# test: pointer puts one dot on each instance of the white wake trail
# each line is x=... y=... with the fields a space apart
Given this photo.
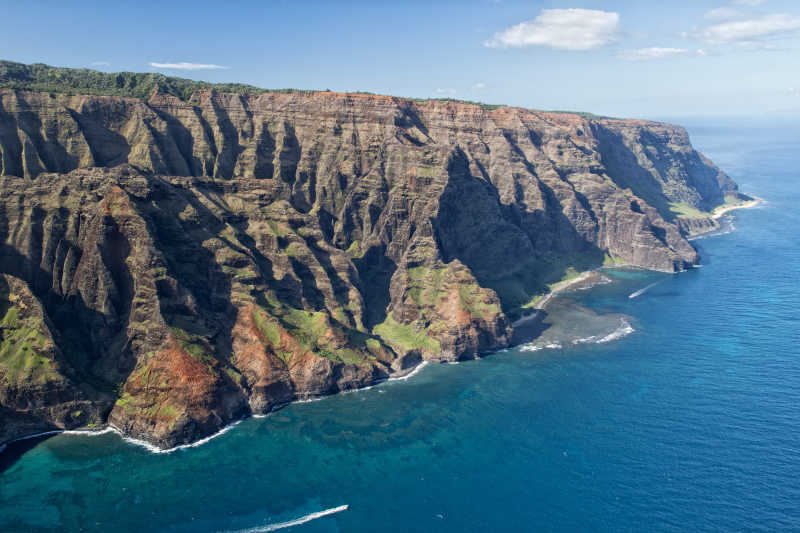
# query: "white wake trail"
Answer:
x=295 y=522
x=644 y=290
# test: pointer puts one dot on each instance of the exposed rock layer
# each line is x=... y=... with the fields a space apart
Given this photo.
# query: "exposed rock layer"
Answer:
x=171 y=266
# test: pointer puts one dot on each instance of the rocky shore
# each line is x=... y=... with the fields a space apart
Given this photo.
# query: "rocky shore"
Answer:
x=170 y=266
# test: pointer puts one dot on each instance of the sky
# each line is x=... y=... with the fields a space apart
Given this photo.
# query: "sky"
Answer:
x=649 y=59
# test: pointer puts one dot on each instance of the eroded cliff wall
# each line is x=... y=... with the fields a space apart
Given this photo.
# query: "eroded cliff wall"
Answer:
x=169 y=266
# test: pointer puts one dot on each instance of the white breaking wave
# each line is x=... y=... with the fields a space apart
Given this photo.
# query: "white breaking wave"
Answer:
x=156 y=449
x=361 y=389
x=311 y=399
x=412 y=373
x=143 y=444
x=537 y=347
x=624 y=329
x=602 y=280
x=295 y=522
x=530 y=348
x=89 y=432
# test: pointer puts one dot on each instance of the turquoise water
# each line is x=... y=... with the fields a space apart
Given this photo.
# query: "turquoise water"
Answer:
x=690 y=423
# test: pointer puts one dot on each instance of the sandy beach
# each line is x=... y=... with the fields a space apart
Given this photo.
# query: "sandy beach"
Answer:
x=721 y=210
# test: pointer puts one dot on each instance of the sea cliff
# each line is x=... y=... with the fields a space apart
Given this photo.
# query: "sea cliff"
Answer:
x=172 y=264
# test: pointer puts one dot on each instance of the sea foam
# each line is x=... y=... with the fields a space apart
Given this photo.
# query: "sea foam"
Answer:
x=414 y=372
x=623 y=330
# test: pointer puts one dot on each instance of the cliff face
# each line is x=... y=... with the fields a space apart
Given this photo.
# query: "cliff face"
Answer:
x=170 y=266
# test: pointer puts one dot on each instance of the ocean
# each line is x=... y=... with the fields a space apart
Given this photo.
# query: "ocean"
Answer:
x=677 y=409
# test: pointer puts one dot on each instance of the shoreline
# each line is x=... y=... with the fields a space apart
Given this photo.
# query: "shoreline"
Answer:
x=721 y=210
x=402 y=375
x=555 y=290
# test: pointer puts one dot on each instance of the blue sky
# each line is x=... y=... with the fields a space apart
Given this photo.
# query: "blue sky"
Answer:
x=625 y=58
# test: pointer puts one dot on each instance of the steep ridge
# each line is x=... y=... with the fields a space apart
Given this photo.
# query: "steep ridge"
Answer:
x=172 y=265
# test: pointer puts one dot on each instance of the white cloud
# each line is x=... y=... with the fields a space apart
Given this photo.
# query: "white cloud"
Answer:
x=765 y=26
x=445 y=91
x=722 y=13
x=562 y=29
x=751 y=3
x=794 y=92
x=655 y=52
x=99 y=64
x=479 y=86
x=187 y=66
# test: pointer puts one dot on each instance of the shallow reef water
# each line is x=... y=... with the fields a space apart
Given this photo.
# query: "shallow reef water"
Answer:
x=687 y=419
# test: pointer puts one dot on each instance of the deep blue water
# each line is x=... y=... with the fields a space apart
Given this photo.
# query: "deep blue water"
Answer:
x=691 y=423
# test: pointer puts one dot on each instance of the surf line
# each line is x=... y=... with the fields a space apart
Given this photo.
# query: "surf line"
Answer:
x=295 y=522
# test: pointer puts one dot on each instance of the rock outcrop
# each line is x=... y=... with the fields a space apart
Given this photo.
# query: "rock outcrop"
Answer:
x=170 y=266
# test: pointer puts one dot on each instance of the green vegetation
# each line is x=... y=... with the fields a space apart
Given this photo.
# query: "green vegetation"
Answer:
x=314 y=332
x=425 y=285
x=373 y=345
x=148 y=406
x=569 y=274
x=613 y=260
x=488 y=107
x=295 y=249
x=521 y=292
x=405 y=336
x=354 y=250
x=125 y=400
x=45 y=78
x=194 y=345
x=240 y=273
x=472 y=299
x=21 y=347
x=39 y=77
x=685 y=210
x=583 y=114
x=267 y=327
x=733 y=200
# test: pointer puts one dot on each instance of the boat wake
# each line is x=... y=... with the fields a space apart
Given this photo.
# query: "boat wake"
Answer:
x=292 y=523
x=638 y=293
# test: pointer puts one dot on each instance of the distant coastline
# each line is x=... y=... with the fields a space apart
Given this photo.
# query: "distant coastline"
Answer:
x=561 y=286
